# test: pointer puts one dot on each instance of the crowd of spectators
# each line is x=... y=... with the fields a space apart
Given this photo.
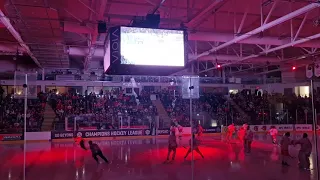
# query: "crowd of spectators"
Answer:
x=12 y=114
x=115 y=109
x=178 y=109
x=266 y=108
x=104 y=110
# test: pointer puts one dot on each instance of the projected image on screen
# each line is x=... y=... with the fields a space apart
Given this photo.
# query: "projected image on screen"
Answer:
x=154 y=47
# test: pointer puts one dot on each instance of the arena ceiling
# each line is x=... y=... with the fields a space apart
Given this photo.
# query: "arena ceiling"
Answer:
x=228 y=32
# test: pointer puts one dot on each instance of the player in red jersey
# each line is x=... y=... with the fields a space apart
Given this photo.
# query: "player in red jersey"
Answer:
x=241 y=135
x=80 y=142
x=231 y=130
x=199 y=131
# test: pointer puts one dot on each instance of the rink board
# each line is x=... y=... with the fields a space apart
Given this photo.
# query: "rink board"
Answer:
x=61 y=136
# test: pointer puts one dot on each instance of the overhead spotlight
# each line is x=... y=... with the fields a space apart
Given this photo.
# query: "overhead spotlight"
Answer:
x=294 y=68
x=218 y=66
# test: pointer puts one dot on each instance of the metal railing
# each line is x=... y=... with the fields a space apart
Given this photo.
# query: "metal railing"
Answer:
x=143 y=79
x=269 y=116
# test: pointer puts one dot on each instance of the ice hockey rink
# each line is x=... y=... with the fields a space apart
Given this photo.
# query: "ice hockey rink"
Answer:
x=137 y=159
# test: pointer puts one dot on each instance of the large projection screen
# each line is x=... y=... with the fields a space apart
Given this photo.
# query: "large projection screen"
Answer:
x=152 y=47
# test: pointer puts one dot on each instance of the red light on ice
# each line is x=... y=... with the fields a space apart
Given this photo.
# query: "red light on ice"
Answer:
x=293 y=68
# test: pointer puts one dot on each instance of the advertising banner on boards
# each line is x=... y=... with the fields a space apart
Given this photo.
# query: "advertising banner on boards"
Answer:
x=101 y=133
x=11 y=137
x=212 y=130
x=303 y=127
x=163 y=131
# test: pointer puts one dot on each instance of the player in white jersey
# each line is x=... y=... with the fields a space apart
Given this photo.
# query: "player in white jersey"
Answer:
x=245 y=126
x=180 y=130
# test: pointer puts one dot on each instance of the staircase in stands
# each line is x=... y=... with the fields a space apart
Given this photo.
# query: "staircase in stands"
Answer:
x=163 y=115
x=239 y=109
x=48 y=118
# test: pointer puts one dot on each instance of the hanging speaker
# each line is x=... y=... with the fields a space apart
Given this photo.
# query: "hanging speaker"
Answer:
x=102 y=27
x=153 y=20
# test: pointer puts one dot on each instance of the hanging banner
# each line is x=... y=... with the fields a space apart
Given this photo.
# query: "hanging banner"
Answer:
x=317 y=69
x=309 y=72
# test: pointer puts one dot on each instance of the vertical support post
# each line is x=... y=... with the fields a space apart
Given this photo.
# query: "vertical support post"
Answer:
x=270 y=114
x=191 y=124
x=203 y=120
x=75 y=124
x=223 y=75
x=296 y=116
x=227 y=114
x=43 y=76
x=196 y=48
x=315 y=135
x=306 y=116
x=25 y=126
x=129 y=122
x=232 y=116
x=287 y=116
x=66 y=124
x=157 y=125
x=261 y=13
x=263 y=116
x=234 y=23
x=198 y=66
x=264 y=76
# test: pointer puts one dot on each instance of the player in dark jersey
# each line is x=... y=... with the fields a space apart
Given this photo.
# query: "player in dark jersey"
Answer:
x=82 y=144
x=96 y=151
x=195 y=147
x=172 y=146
